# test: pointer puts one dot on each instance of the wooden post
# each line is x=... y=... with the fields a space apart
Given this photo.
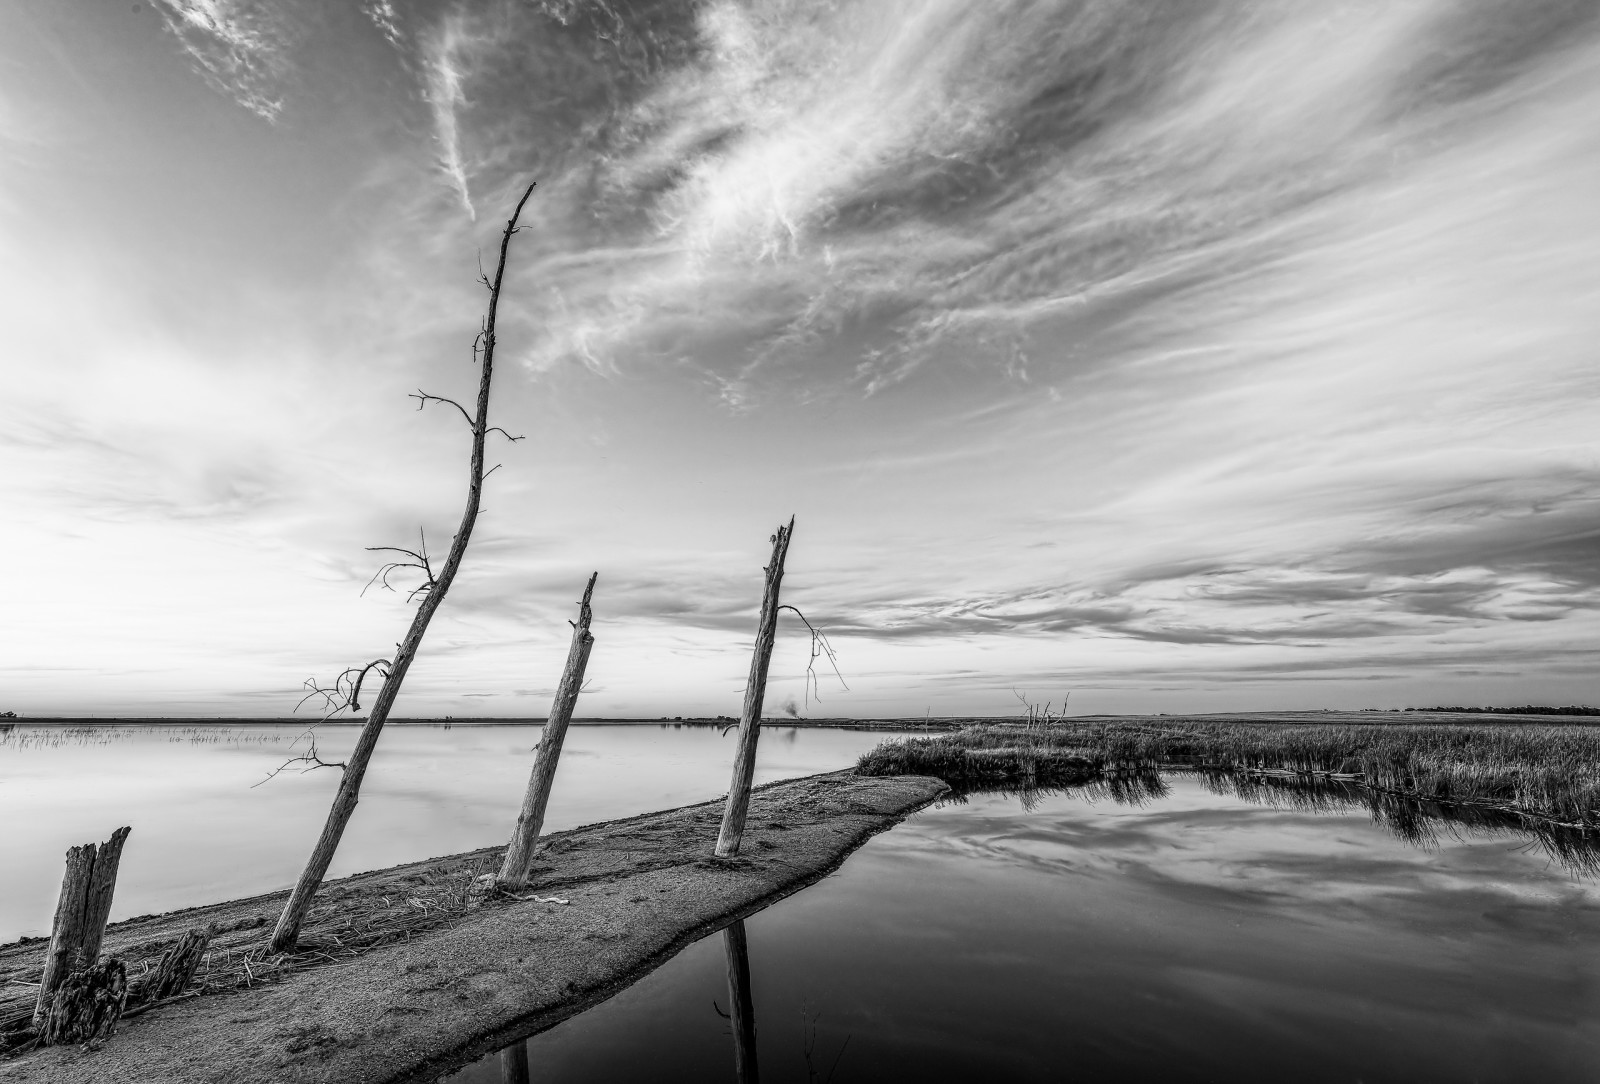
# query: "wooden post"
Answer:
x=519 y=855
x=742 y=1006
x=744 y=759
x=286 y=934
x=80 y=922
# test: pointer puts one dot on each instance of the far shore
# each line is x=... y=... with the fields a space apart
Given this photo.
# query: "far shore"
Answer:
x=911 y=723
x=918 y=723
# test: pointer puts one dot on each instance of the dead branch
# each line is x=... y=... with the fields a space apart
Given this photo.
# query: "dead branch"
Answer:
x=345 y=692
x=820 y=648
x=423 y=399
x=309 y=758
x=418 y=561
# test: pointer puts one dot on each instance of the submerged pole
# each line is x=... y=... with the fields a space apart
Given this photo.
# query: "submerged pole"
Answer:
x=519 y=855
x=744 y=760
x=742 y=1006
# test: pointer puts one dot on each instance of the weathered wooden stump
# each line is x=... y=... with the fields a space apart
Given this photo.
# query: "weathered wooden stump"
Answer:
x=80 y=922
x=87 y=1004
x=177 y=967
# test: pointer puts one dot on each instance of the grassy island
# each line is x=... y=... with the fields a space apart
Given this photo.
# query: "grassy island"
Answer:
x=1530 y=768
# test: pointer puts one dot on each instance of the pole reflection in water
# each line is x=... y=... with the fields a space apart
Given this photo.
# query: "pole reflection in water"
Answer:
x=742 y=1007
x=514 y=1063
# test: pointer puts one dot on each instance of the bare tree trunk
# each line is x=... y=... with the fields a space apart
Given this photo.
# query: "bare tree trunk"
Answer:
x=519 y=856
x=742 y=1006
x=287 y=932
x=81 y=913
x=744 y=760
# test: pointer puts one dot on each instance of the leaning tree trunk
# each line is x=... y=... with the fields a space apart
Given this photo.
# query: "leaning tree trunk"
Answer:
x=519 y=855
x=287 y=932
x=744 y=760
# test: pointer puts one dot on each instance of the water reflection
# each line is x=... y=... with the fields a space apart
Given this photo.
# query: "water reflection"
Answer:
x=514 y=1063
x=1179 y=928
x=1418 y=822
x=741 y=1007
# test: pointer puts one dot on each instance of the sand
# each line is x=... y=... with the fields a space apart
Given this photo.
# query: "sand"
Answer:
x=639 y=889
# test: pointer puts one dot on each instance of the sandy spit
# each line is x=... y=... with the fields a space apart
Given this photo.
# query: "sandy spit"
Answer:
x=639 y=889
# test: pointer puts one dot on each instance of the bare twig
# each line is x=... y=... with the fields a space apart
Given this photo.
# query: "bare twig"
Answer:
x=419 y=561
x=345 y=692
x=820 y=648
x=309 y=758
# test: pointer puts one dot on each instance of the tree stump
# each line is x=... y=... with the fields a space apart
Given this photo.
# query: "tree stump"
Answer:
x=87 y=1005
x=80 y=922
x=177 y=967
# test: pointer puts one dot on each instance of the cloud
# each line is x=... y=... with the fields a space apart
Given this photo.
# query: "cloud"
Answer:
x=244 y=47
x=446 y=97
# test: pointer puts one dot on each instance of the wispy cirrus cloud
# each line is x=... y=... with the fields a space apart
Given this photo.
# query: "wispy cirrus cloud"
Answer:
x=244 y=47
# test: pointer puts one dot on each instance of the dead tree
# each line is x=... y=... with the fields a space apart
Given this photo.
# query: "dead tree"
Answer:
x=80 y=922
x=519 y=856
x=432 y=593
x=744 y=759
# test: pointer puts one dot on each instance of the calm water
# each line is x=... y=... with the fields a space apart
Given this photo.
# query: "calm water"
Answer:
x=1195 y=937
x=204 y=832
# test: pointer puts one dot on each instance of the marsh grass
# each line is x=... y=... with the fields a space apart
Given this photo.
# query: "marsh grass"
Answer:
x=1548 y=772
x=61 y=737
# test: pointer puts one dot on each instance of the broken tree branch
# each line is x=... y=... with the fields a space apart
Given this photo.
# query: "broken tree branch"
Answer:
x=820 y=648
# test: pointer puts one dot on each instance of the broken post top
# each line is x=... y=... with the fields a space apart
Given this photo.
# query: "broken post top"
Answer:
x=585 y=614
x=780 y=548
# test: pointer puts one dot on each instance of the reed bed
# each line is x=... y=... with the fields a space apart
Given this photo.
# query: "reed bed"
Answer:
x=1545 y=771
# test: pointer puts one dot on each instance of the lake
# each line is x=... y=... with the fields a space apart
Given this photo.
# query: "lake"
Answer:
x=207 y=827
x=1183 y=933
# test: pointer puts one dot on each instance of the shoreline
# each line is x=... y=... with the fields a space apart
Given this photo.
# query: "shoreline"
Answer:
x=918 y=723
x=412 y=1009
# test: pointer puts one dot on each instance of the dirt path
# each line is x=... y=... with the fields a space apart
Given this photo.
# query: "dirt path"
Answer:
x=411 y=1010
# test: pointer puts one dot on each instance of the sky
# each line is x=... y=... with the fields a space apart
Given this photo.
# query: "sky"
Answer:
x=1205 y=356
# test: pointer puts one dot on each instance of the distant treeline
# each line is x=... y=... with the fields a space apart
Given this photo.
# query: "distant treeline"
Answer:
x=1526 y=709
